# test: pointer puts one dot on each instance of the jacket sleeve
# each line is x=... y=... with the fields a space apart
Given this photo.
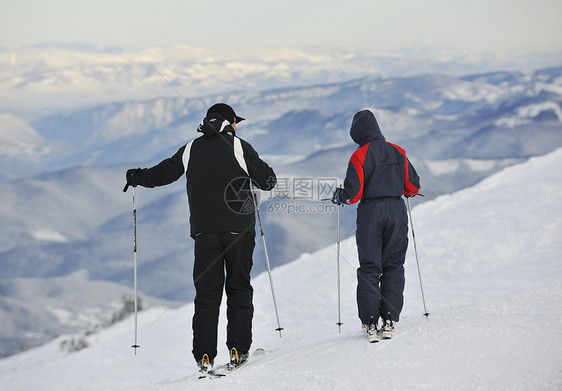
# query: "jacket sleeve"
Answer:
x=261 y=173
x=354 y=182
x=412 y=179
x=164 y=173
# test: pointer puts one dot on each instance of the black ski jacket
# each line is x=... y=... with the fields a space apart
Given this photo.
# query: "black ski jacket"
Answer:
x=377 y=168
x=218 y=167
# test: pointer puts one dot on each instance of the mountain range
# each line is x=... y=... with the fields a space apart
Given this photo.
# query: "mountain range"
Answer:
x=53 y=77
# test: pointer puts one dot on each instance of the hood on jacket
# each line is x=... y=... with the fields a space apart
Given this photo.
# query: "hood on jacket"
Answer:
x=213 y=124
x=364 y=128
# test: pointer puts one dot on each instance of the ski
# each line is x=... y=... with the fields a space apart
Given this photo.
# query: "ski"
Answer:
x=205 y=375
x=386 y=334
x=373 y=337
x=379 y=335
x=225 y=369
x=376 y=334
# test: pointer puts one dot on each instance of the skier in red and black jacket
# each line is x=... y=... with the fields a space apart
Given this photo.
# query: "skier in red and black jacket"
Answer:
x=378 y=174
x=220 y=169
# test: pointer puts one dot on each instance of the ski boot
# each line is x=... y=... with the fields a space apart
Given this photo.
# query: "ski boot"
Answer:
x=387 y=329
x=205 y=366
x=236 y=359
x=371 y=330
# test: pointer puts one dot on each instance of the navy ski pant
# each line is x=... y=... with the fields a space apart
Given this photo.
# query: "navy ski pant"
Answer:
x=215 y=252
x=382 y=241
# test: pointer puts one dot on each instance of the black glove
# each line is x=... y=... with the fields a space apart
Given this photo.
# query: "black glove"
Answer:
x=131 y=176
x=335 y=197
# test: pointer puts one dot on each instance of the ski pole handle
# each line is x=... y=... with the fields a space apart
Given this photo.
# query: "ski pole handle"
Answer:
x=126 y=188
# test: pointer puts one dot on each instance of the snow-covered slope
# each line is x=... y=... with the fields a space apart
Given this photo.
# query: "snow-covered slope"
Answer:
x=490 y=263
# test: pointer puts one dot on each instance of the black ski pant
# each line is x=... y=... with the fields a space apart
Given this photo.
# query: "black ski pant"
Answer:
x=215 y=252
x=382 y=241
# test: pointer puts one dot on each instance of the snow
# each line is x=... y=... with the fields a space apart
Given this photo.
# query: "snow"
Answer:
x=453 y=166
x=471 y=93
x=54 y=77
x=490 y=263
x=17 y=137
x=526 y=113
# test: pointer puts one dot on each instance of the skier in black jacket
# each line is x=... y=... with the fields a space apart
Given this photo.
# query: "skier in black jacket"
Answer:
x=218 y=167
x=378 y=174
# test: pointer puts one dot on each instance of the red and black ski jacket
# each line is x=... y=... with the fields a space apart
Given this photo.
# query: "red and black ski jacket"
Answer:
x=377 y=168
x=218 y=167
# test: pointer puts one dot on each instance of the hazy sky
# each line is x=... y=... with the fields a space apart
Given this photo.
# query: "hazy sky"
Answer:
x=475 y=25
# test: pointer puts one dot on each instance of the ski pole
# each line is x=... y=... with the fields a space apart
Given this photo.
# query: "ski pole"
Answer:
x=339 y=323
x=338 y=266
x=426 y=314
x=279 y=328
x=135 y=345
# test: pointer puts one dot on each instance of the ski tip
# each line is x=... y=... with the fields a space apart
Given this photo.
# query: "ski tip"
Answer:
x=259 y=352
